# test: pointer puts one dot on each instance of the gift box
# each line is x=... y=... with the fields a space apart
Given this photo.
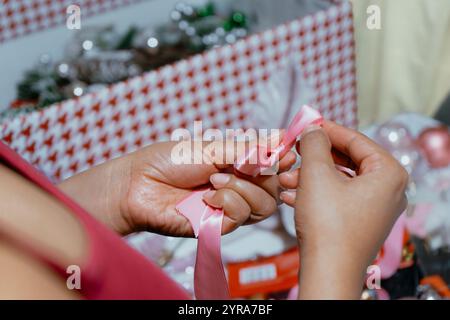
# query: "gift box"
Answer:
x=22 y=17
x=219 y=87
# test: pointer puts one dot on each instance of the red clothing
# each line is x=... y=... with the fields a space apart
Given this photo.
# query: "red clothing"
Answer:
x=113 y=270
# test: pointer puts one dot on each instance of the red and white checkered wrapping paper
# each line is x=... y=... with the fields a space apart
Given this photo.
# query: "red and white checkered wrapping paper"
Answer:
x=217 y=87
x=22 y=17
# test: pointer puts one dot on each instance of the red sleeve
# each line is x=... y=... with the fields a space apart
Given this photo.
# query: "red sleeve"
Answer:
x=113 y=270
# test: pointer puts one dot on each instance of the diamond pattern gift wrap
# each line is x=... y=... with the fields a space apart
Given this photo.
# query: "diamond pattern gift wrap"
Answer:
x=22 y=17
x=217 y=87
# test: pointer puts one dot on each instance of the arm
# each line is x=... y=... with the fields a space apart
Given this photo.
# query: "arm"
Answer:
x=342 y=222
x=32 y=216
x=47 y=226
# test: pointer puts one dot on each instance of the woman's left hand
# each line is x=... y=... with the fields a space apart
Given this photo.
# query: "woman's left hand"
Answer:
x=140 y=191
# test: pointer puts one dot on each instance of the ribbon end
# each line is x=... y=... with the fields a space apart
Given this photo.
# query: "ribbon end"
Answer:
x=193 y=208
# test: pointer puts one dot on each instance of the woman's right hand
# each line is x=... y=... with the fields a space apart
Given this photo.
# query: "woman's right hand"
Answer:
x=341 y=222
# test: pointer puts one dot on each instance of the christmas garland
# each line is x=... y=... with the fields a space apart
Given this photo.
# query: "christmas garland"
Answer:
x=100 y=56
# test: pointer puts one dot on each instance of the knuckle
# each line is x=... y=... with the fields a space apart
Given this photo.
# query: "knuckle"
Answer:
x=235 y=206
x=226 y=196
x=398 y=174
x=237 y=184
x=403 y=177
x=403 y=203
x=269 y=207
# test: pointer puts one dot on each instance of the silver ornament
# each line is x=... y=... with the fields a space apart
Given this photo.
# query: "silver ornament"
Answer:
x=190 y=31
x=188 y=11
x=152 y=45
x=45 y=59
x=369 y=294
x=75 y=89
x=407 y=156
x=106 y=66
x=230 y=38
x=240 y=32
x=220 y=32
x=175 y=16
x=183 y=25
x=180 y=6
x=210 y=40
x=426 y=292
x=66 y=70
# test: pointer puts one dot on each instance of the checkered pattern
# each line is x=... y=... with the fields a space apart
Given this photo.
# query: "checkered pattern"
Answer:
x=21 y=17
x=217 y=87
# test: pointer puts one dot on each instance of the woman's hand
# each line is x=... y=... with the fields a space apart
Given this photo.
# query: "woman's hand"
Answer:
x=140 y=191
x=341 y=222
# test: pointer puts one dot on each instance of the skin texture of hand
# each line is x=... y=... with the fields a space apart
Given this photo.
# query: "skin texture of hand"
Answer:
x=140 y=191
x=341 y=222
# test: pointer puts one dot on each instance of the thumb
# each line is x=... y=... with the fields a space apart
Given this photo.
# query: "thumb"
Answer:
x=315 y=148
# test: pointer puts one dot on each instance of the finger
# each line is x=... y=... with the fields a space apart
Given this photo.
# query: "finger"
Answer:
x=365 y=153
x=289 y=197
x=236 y=209
x=287 y=162
x=262 y=204
x=289 y=180
x=315 y=149
x=271 y=184
x=339 y=158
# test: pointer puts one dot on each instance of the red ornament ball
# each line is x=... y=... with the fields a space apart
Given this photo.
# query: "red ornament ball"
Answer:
x=435 y=146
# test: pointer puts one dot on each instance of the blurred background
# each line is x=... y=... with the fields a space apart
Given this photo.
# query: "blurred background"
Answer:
x=403 y=66
x=82 y=82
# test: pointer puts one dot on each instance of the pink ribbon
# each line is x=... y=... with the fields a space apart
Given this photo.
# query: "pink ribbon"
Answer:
x=265 y=157
x=392 y=249
x=209 y=277
x=210 y=281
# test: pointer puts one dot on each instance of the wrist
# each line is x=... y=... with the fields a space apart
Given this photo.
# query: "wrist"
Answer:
x=330 y=272
x=100 y=191
x=118 y=174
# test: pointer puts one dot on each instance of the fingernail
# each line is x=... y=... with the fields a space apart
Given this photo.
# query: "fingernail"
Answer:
x=284 y=174
x=287 y=196
x=209 y=194
x=219 y=180
x=311 y=128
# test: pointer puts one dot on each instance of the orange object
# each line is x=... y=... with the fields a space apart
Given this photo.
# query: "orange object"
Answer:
x=408 y=250
x=265 y=275
x=17 y=104
x=438 y=284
